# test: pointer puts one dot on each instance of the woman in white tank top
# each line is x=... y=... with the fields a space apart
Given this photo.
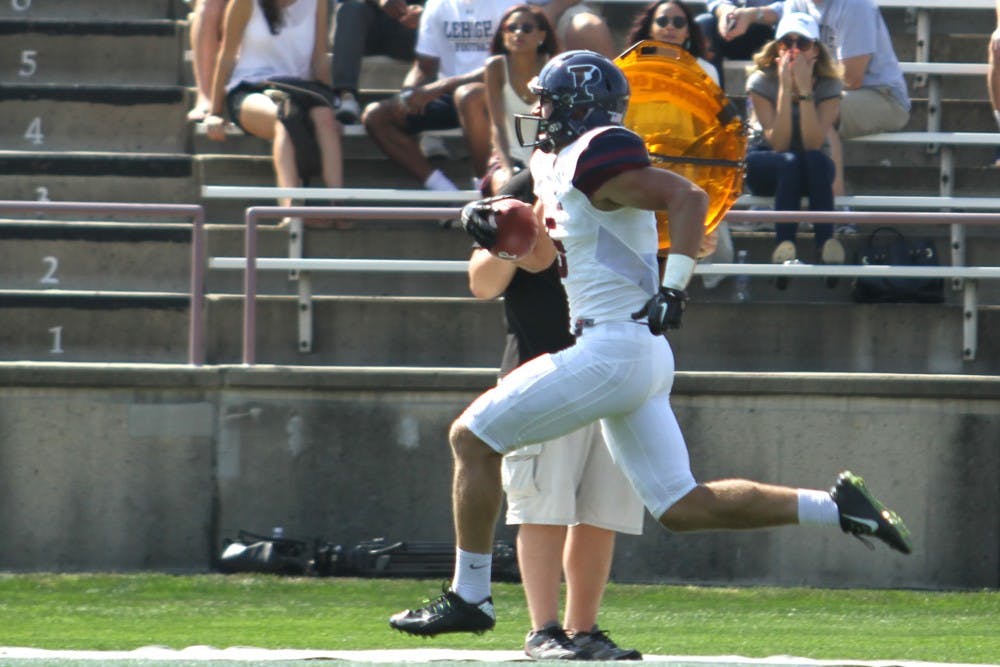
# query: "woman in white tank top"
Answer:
x=275 y=39
x=521 y=46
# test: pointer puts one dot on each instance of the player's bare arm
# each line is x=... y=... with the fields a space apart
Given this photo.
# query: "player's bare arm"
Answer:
x=656 y=189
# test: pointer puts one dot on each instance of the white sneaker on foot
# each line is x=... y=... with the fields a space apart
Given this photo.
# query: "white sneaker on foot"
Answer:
x=349 y=110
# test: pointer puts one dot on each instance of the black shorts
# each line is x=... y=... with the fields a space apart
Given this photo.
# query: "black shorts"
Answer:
x=439 y=114
x=318 y=94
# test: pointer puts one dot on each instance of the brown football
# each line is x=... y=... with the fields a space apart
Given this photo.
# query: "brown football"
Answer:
x=517 y=229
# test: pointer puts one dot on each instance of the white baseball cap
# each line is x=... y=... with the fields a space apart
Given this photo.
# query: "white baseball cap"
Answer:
x=799 y=23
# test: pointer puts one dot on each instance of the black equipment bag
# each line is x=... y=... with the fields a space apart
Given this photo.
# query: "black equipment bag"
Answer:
x=888 y=246
x=268 y=555
x=428 y=560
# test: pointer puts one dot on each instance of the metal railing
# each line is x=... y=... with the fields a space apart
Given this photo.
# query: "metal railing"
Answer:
x=196 y=346
x=251 y=263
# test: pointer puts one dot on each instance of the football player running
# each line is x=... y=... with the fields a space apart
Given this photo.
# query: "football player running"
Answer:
x=597 y=193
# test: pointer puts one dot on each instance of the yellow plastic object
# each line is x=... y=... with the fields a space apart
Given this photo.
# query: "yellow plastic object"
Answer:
x=689 y=125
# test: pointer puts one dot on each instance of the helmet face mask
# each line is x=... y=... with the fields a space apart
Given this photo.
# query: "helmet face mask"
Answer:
x=583 y=90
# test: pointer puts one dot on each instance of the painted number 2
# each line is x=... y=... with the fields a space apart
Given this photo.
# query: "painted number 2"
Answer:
x=52 y=264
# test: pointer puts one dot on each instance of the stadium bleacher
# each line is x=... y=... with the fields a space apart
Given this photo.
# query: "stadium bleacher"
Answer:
x=113 y=133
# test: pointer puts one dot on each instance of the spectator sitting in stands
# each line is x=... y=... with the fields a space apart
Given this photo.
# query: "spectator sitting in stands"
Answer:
x=521 y=46
x=735 y=29
x=453 y=41
x=206 y=36
x=993 y=77
x=270 y=45
x=671 y=22
x=578 y=26
x=875 y=97
x=369 y=27
x=795 y=91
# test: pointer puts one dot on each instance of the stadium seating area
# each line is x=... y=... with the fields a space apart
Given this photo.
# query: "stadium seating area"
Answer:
x=95 y=112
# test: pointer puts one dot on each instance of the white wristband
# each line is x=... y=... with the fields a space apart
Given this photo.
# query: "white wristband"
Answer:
x=678 y=271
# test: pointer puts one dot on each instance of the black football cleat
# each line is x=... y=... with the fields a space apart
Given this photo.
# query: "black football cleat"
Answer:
x=448 y=613
x=600 y=646
x=862 y=514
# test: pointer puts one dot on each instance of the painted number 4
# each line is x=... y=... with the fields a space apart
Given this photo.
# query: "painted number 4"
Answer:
x=34 y=132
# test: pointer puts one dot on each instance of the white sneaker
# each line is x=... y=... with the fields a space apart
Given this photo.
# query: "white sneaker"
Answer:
x=349 y=110
x=432 y=146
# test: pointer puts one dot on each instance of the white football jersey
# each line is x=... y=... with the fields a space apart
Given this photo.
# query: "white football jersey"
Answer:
x=608 y=257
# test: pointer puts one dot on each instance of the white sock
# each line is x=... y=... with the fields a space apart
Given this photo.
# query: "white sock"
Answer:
x=472 y=575
x=817 y=507
x=996 y=114
x=438 y=181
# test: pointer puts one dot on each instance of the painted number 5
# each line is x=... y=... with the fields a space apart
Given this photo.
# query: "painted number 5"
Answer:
x=28 y=64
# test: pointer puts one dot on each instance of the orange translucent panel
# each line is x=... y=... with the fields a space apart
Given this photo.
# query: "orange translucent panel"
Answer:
x=688 y=124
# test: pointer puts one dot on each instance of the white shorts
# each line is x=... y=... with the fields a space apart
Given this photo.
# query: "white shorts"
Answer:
x=617 y=372
x=568 y=481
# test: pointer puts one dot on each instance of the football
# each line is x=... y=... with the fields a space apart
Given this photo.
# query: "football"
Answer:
x=517 y=228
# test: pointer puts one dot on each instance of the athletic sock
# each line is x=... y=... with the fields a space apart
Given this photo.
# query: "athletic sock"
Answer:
x=438 y=181
x=817 y=507
x=472 y=575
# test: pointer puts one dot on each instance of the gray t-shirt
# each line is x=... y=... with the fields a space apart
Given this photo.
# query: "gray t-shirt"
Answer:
x=765 y=84
x=856 y=28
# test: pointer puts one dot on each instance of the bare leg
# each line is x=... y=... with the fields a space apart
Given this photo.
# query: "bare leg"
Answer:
x=328 y=136
x=539 y=556
x=259 y=117
x=384 y=122
x=473 y=112
x=587 y=563
x=993 y=79
x=733 y=504
x=477 y=492
x=206 y=35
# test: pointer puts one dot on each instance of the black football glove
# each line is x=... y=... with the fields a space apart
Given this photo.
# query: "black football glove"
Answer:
x=663 y=311
x=478 y=220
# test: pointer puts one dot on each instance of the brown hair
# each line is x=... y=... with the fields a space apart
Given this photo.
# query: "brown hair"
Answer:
x=273 y=14
x=826 y=67
x=549 y=45
x=642 y=27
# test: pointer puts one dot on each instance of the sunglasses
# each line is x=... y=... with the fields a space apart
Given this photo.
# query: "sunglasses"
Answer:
x=803 y=43
x=678 y=21
x=526 y=28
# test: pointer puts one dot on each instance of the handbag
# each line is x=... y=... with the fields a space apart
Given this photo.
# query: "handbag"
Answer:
x=888 y=246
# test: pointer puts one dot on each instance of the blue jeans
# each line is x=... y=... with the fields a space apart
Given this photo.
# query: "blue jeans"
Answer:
x=789 y=176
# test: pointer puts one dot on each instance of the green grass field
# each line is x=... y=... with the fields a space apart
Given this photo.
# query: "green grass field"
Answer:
x=122 y=612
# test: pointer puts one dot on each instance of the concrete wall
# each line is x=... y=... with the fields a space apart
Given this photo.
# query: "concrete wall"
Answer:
x=127 y=467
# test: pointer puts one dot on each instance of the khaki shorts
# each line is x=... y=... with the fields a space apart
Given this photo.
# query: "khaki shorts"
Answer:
x=568 y=481
x=870 y=110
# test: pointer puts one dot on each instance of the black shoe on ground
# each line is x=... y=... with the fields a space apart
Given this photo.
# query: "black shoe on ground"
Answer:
x=448 y=613
x=862 y=514
x=600 y=646
x=551 y=643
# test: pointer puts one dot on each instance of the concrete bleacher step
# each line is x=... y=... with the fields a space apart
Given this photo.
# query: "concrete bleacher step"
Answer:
x=364 y=172
x=91 y=176
x=95 y=256
x=368 y=240
x=137 y=52
x=87 y=117
x=758 y=336
x=82 y=325
x=116 y=10
x=350 y=331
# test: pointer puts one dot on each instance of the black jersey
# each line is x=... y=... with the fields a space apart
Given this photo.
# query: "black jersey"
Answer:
x=537 y=317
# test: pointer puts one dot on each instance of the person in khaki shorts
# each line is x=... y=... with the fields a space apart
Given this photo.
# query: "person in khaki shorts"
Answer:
x=875 y=96
x=568 y=498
